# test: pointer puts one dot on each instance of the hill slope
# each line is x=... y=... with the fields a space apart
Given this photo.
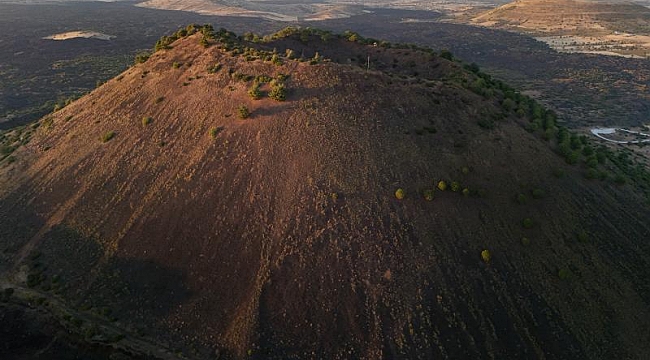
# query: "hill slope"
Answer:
x=151 y=202
x=577 y=26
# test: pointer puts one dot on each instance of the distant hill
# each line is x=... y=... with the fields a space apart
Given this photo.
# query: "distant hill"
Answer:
x=615 y=27
x=307 y=194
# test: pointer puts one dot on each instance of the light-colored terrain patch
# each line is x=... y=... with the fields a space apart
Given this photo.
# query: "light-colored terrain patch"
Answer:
x=607 y=28
x=79 y=34
x=314 y=10
x=281 y=11
x=209 y=8
x=621 y=136
x=625 y=45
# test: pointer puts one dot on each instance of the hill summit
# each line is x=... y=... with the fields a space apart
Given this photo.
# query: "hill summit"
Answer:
x=313 y=195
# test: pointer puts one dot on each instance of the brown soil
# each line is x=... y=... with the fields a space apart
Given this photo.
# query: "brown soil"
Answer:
x=281 y=237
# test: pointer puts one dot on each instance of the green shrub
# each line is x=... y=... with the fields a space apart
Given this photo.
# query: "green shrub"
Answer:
x=538 y=193
x=141 y=58
x=573 y=157
x=591 y=174
x=466 y=192
x=442 y=185
x=446 y=54
x=275 y=59
x=243 y=112
x=522 y=199
x=455 y=186
x=254 y=92
x=620 y=179
x=508 y=105
x=428 y=194
x=6 y=294
x=564 y=274
x=176 y=65
x=558 y=173
x=146 y=120
x=486 y=123
x=107 y=136
x=603 y=175
x=486 y=256
x=527 y=223
x=278 y=91
x=214 y=131
x=399 y=194
x=582 y=236
x=525 y=241
x=214 y=68
x=204 y=42
x=263 y=79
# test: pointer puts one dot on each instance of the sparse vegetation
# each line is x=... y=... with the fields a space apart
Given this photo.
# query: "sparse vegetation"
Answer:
x=527 y=223
x=142 y=57
x=275 y=59
x=214 y=131
x=107 y=136
x=243 y=112
x=538 y=193
x=215 y=68
x=337 y=132
x=165 y=42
